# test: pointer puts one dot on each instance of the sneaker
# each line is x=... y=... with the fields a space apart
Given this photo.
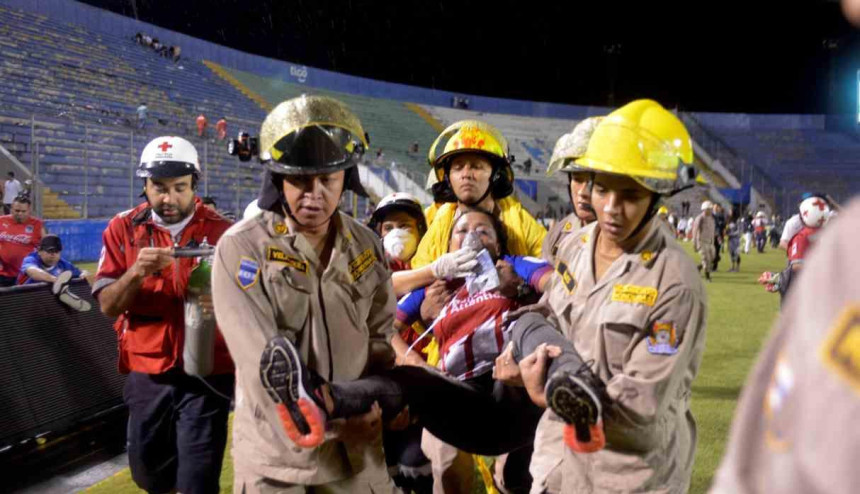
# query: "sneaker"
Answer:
x=579 y=398
x=61 y=281
x=291 y=386
x=73 y=301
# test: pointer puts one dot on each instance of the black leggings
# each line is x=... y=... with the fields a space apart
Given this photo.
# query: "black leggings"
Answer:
x=480 y=415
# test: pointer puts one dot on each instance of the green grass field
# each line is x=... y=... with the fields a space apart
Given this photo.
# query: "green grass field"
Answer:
x=739 y=318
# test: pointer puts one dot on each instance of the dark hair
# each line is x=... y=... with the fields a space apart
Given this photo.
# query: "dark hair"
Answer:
x=209 y=200
x=11 y=174
x=498 y=226
x=22 y=199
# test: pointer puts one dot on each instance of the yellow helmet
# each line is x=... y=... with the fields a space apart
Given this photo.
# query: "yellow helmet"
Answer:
x=663 y=210
x=572 y=146
x=644 y=141
x=310 y=135
x=470 y=136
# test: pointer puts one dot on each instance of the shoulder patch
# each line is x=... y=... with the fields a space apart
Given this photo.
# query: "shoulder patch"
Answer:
x=280 y=228
x=663 y=340
x=568 y=226
x=360 y=265
x=566 y=278
x=277 y=255
x=646 y=255
x=632 y=294
x=841 y=350
x=248 y=273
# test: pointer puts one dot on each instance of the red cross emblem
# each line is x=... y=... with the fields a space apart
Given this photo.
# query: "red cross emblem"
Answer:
x=819 y=204
x=165 y=146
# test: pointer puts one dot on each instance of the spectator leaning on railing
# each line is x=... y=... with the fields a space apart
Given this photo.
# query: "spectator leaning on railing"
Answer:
x=45 y=264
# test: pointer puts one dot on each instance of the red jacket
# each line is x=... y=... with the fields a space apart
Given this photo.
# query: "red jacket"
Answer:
x=16 y=242
x=151 y=333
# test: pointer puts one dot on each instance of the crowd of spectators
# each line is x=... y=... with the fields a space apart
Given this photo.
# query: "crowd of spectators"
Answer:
x=173 y=52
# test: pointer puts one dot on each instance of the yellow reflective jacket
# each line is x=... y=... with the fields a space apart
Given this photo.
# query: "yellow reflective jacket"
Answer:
x=525 y=234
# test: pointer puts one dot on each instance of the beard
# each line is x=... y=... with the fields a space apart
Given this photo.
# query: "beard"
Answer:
x=173 y=214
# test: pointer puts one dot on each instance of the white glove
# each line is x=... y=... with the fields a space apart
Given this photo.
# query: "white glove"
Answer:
x=453 y=265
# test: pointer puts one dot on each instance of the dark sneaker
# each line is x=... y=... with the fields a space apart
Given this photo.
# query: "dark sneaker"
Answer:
x=579 y=398
x=291 y=386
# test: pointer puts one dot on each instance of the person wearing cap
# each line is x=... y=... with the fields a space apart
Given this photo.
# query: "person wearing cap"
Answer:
x=45 y=264
x=20 y=233
x=177 y=428
x=567 y=149
x=628 y=298
x=302 y=270
x=399 y=221
x=704 y=231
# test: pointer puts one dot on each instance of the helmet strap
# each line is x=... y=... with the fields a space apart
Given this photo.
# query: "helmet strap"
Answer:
x=652 y=211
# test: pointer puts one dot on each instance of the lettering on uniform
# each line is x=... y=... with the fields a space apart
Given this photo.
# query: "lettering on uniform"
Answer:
x=632 y=294
x=662 y=340
x=566 y=278
x=248 y=273
x=360 y=265
x=841 y=349
x=277 y=255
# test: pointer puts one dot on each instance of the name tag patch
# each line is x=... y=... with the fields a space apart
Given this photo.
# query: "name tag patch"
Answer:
x=566 y=278
x=360 y=265
x=248 y=273
x=277 y=255
x=662 y=340
x=632 y=294
x=841 y=349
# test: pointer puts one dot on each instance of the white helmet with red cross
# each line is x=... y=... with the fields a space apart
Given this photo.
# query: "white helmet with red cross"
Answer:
x=168 y=156
x=814 y=212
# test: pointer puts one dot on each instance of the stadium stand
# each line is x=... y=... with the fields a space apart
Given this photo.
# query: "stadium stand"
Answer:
x=75 y=91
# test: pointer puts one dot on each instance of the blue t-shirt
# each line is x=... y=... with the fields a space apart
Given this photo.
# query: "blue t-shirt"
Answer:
x=531 y=269
x=34 y=261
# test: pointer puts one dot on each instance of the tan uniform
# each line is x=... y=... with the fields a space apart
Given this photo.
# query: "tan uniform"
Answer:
x=795 y=430
x=266 y=282
x=643 y=325
x=570 y=224
x=704 y=230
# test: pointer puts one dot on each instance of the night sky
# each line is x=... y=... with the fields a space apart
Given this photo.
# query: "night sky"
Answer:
x=754 y=56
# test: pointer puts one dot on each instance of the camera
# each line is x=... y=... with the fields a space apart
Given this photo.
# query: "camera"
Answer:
x=245 y=146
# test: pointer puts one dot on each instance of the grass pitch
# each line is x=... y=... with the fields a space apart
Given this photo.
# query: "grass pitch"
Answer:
x=739 y=318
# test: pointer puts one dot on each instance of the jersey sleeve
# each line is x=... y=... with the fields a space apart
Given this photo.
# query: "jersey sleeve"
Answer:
x=409 y=307
x=31 y=261
x=531 y=269
x=797 y=249
x=112 y=263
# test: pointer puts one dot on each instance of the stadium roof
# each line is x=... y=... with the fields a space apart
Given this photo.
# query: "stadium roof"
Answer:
x=780 y=57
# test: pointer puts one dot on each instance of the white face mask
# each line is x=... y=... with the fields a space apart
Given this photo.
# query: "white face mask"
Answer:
x=400 y=244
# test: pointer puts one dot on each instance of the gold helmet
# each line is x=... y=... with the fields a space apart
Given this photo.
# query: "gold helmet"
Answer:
x=572 y=146
x=311 y=135
x=646 y=142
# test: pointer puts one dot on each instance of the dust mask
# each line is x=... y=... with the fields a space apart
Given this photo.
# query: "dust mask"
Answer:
x=400 y=244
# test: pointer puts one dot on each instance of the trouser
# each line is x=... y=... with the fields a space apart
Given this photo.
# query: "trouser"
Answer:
x=734 y=248
x=718 y=246
x=371 y=480
x=707 y=252
x=747 y=242
x=177 y=430
x=760 y=241
x=480 y=415
x=7 y=208
x=408 y=466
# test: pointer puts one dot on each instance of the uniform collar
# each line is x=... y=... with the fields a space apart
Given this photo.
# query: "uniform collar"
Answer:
x=644 y=254
x=277 y=227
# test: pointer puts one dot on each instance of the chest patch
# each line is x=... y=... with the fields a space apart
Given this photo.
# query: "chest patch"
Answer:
x=277 y=255
x=633 y=294
x=841 y=349
x=360 y=265
x=566 y=278
x=248 y=273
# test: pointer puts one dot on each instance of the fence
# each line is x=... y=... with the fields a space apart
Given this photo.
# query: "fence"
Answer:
x=88 y=171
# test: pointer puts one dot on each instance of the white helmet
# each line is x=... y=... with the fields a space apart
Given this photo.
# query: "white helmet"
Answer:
x=707 y=205
x=814 y=212
x=760 y=214
x=168 y=156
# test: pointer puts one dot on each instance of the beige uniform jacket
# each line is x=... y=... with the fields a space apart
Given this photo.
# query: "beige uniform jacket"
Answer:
x=643 y=325
x=568 y=225
x=795 y=429
x=267 y=281
x=704 y=230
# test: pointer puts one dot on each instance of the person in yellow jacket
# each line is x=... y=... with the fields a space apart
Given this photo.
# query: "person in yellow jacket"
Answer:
x=473 y=171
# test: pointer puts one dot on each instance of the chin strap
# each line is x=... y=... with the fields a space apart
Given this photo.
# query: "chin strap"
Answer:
x=652 y=211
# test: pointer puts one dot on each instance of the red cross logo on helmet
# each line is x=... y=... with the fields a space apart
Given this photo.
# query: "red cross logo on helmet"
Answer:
x=164 y=146
x=821 y=205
